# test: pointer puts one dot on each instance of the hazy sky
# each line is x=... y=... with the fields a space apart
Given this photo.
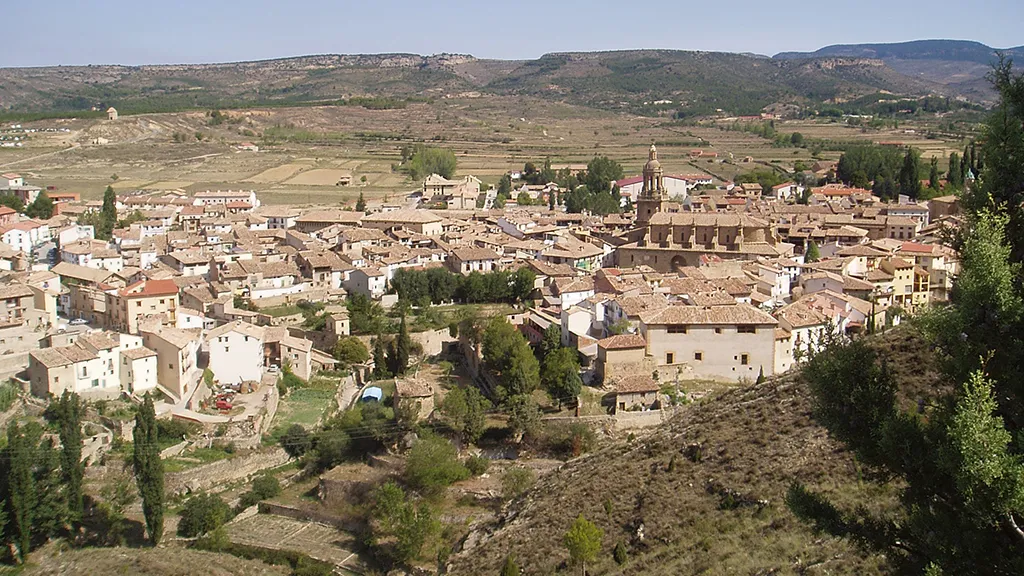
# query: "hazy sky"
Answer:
x=51 y=32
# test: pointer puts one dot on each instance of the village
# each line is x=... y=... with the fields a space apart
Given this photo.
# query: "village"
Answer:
x=241 y=320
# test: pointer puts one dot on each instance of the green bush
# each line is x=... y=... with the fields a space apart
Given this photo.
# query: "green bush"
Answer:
x=433 y=464
x=477 y=465
x=203 y=514
x=620 y=554
x=171 y=431
x=296 y=441
x=263 y=488
x=8 y=394
x=515 y=481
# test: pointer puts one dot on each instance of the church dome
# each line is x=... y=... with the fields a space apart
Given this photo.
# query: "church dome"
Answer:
x=652 y=162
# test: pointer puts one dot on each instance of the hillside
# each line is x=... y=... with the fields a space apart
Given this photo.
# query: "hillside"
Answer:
x=708 y=489
x=959 y=64
x=695 y=82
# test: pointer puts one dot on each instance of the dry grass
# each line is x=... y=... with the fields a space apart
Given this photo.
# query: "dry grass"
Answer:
x=165 y=561
x=755 y=441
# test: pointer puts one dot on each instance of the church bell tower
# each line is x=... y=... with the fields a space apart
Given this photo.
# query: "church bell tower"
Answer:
x=653 y=195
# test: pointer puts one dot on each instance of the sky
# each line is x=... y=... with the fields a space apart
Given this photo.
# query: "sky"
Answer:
x=72 y=32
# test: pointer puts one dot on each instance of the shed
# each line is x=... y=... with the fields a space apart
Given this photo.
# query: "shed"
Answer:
x=372 y=394
x=111 y=113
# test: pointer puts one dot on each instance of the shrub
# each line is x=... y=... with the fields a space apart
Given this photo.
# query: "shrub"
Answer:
x=477 y=465
x=296 y=441
x=203 y=514
x=173 y=430
x=433 y=464
x=263 y=487
x=620 y=554
x=515 y=481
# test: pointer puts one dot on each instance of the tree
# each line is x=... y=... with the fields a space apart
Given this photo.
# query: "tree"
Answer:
x=796 y=139
x=524 y=199
x=507 y=352
x=601 y=172
x=149 y=469
x=361 y=203
x=381 y=371
x=12 y=202
x=41 y=207
x=203 y=514
x=560 y=375
x=933 y=175
x=426 y=160
x=812 y=254
x=510 y=567
x=350 y=350
x=523 y=416
x=504 y=186
x=69 y=420
x=551 y=340
x=910 y=174
x=760 y=376
x=522 y=284
x=954 y=176
x=399 y=350
x=296 y=441
x=399 y=528
x=583 y=541
x=108 y=215
x=433 y=464
x=464 y=410
x=21 y=493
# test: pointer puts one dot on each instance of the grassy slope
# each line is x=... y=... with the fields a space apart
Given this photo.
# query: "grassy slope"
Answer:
x=755 y=441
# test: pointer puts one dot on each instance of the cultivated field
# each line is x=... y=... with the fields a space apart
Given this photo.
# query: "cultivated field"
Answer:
x=313 y=147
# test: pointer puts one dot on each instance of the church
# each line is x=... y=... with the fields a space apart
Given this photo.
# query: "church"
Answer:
x=667 y=241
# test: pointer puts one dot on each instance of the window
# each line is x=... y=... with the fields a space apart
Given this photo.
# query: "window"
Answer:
x=698 y=356
x=56 y=379
x=744 y=359
x=677 y=329
x=138 y=303
x=746 y=329
x=95 y=382
x=670 y=358
x=718 y=330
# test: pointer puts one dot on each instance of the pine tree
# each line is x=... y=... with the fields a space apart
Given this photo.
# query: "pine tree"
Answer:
x=69 y=419
x=583 y=541
x=41 y=207
x=933 y=175
x=21 y=486
x=149 y=469
x=361 y=203
x=760 y=376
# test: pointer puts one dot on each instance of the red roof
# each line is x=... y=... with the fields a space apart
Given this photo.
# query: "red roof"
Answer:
x=238 y=205
x=6 y=210
x=150 y=288
x=629 y=181
x=917 y=247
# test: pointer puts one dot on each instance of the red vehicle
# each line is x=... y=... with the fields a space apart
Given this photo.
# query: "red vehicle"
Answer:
x=223 y=405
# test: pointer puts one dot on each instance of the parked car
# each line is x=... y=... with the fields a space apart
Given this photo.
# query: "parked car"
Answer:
x=78 y=322
x=224 y=405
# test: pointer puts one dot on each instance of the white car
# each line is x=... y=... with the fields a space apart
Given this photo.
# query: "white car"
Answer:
x=78 y=322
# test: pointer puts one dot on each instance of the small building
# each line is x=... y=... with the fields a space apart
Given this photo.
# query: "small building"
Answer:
x=636 y=393
x=111 y=113
x=418 y=391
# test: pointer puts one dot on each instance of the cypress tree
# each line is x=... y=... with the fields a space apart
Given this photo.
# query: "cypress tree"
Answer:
x=399 y=351
x=20 y=487
x=380 y=363
x=69 y=418
x=955 y=176
x=361 y=203
x=910 y=177
x=149 y=469
x=812 y=254
x=510 y=567
x=933 y=175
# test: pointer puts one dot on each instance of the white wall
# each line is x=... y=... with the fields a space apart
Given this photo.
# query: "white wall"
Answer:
x=236 y=357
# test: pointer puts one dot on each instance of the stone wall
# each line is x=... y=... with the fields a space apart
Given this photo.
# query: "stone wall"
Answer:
x=224 y=471
x=309 y=516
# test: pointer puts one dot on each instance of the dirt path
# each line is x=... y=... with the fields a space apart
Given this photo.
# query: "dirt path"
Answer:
x=55 y=152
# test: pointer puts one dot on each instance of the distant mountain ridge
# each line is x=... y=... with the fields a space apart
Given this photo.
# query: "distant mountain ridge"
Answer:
x=956 y=50
x=961 y=65
x=691 y=82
